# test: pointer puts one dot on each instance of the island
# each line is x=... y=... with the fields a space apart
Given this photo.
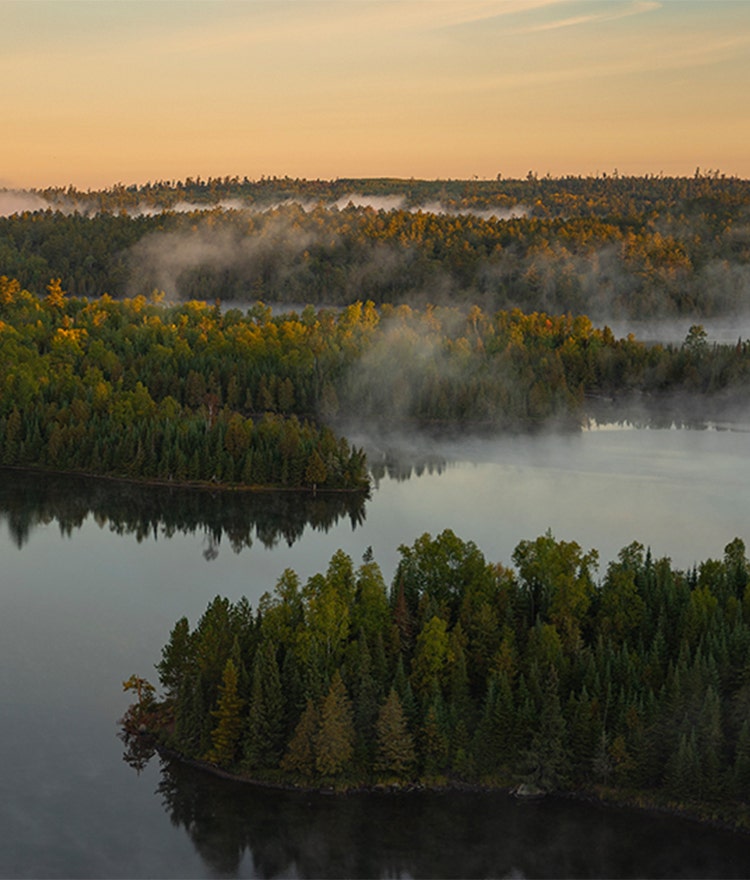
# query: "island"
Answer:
x=541 y=677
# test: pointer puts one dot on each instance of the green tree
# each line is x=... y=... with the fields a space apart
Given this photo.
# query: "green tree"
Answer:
x=176 y=658
x=395 y=745
x=264 y=735
x=334 y=741
x=547 y=756
x=299 y=759
x=225 y=737
x=430 y=656
x=316 y=472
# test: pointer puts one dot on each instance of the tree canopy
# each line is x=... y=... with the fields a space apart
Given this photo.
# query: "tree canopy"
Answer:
x=634 y=681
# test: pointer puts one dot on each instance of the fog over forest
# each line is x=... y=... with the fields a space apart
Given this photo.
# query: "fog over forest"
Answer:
x=621 y=250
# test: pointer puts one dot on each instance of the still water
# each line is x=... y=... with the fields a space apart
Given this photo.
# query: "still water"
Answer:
x=94 y=575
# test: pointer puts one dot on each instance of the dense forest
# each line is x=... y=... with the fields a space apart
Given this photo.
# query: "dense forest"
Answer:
x=189 y=393
x=109 y=388
x=607 y=246
x=464 y=671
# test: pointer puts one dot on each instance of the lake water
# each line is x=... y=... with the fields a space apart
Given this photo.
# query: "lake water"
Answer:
x=94 y=575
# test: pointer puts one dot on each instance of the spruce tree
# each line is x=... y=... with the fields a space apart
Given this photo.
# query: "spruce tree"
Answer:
x=547 y=757
x=225 y=736
x=264 y=737
x=395 y=745
x=299 y=759
x=334 y=742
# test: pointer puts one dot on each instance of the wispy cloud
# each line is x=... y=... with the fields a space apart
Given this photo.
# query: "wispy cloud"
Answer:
x=640 y=7
x=304 y=23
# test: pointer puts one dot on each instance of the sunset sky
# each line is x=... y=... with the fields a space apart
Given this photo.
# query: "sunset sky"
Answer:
x=99 y=92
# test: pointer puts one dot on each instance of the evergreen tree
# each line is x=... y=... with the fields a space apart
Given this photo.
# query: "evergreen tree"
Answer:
x=334 y=741
x=435 y=739
x=176 y=657
x=225 y=737
x=299 y=759
x=264 y=736
x=395 y=745
x=547 y=756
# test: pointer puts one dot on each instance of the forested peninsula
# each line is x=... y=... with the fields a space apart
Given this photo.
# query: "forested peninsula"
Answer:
x=634 y=686
x=192 y=393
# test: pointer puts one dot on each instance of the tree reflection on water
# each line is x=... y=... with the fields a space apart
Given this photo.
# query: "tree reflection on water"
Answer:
x=29 y=499
x=240 y=830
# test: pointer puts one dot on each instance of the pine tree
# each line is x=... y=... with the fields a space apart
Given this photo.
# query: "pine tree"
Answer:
x=316 y=473
x=683 y=769
x=365 y=700
x=547 y=757
x=175 y=657
x=334 y=742
x=225 y=736
x=395 y=745
x=264 y=737
x=299 y=759
x=435 y=739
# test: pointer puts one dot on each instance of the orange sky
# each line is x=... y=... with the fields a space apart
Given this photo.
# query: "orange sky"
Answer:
x=96 y=93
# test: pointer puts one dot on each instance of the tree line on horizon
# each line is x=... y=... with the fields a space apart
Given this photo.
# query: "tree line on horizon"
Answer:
x=609 y=247
x=469 y=672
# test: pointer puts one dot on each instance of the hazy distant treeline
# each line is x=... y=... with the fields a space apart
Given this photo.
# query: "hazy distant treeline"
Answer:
x=467 y=670
x=607 y=246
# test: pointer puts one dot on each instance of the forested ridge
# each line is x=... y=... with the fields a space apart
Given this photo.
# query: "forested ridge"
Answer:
x=634 y=685
x=191 y=393
x=607 y=246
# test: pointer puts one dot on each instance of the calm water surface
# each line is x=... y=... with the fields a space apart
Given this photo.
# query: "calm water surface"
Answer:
x=93 y=577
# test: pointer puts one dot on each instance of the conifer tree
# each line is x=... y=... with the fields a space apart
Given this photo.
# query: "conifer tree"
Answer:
x=265 y=722
x=547 y=756
x=395 y=745
x=435 y=739
x=176 y=655
x=225 y=737
x=334 y=741
x=299 y=759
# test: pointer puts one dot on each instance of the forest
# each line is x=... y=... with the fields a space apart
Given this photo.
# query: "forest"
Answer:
x=608 y=246
x=108 y=388
x=632 y=686
x=192 y=394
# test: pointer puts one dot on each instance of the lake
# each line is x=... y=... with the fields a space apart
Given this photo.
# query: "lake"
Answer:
x=95 y=574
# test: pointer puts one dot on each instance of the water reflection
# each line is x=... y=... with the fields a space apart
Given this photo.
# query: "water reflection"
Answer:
x=399 y=464
x=659 y=412
x=242 y=831
x=28 y=500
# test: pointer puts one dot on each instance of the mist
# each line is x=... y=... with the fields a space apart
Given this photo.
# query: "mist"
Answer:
x=19 y=201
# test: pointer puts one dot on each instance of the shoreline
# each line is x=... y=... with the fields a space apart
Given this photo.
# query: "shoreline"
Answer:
x=195 y=485
x=604 y=797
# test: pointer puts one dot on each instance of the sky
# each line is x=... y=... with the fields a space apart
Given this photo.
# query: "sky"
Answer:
x=99 y=92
